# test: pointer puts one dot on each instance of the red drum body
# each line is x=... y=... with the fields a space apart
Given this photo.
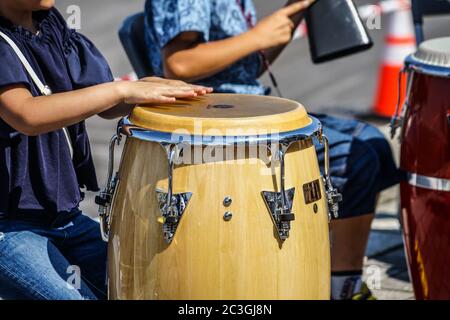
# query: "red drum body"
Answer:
x=425 y=158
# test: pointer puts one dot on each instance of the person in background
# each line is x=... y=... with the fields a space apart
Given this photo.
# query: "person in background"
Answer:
x=219 y=43
x=48 y=249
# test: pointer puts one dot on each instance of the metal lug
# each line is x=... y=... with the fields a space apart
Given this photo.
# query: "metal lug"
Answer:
x=104 y=199
x=333 y=195
x=172 y=213
x=281 y=214
x=171 y=205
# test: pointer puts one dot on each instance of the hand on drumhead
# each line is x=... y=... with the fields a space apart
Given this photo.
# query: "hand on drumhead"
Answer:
x=200 y=90
x=277 y=29
x=141 y=92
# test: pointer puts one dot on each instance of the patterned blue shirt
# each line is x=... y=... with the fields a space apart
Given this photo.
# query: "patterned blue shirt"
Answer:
x=215 y=20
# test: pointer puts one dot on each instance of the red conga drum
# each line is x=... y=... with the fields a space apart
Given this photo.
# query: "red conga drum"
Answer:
x=425 y=159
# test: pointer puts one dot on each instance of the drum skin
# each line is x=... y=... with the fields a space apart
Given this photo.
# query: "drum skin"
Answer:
x=210 y=258
x=226 y=114
x=426 y=213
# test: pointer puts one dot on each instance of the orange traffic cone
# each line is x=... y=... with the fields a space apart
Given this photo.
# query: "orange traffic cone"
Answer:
x=399 y=43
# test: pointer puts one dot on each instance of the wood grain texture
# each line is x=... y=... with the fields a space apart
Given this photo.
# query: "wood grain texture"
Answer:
x=223 y=114
x=210 y=258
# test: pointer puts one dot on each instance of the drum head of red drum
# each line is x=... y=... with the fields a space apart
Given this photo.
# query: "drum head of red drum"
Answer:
x=432 y=57
x=425 y=159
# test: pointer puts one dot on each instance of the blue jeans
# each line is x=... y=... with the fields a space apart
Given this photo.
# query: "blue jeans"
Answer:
x=361 y=163
x=63 y=259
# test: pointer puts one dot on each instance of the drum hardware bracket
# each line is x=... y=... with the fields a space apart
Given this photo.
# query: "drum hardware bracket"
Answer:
x=397 y=118
x=280 y=203
x=171 y=206
x=104 y=199
x=333 y=195
x=281 y=215
x=396 y=123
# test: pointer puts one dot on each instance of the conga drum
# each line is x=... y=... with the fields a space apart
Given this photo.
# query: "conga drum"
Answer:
x=425 y=159
x=201 y=210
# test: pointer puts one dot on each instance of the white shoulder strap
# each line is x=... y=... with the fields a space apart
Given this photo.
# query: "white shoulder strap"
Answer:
x=44 y=89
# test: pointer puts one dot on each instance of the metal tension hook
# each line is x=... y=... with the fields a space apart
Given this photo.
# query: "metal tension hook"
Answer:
x=104 y=199
x=280 y=203
x=172 y=206
x=333 y=195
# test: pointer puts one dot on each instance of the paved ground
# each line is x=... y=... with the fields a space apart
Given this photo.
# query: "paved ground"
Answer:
x=345 y=86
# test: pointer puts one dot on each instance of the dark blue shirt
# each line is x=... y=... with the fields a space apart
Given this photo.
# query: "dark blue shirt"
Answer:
x=37 y=173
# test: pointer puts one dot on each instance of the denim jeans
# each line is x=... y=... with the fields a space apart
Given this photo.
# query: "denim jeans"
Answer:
x=361 y=163
x=63 y=259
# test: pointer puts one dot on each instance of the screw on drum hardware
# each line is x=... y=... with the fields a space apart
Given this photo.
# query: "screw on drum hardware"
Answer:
x=227 y=201
x=227 y=216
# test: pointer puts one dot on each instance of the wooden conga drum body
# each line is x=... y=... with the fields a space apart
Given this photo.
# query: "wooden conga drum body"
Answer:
x=425 y=158
x=226 y=244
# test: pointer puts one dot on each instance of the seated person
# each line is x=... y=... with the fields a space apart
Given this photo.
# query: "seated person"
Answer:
x=218 y=43
x=48 y=248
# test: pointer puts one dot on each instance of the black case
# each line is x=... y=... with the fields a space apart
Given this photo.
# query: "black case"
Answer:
x=335 y=30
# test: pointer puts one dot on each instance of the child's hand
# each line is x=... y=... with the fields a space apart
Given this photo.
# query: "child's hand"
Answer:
x=143 y=91
x=200 y=90
x=277 y=29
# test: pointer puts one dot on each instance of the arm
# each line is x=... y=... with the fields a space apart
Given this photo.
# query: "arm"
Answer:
x=186 y=58
x=119 y=111
x=124 y=109
x=37 y=115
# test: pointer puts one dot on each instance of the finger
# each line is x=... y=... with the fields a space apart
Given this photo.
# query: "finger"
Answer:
x=161 y=99
x=164 y=84
x=200 y=92
x=178 y=88
x=201 y=89
x=164 y=99
x=291 y=25
x=206 y=89
x=182 y=84
x=180 y=94
x=197 y=88
x=296 y=7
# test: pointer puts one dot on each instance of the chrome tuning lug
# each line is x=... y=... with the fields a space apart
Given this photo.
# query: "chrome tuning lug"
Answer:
x=281 y=214
x=399 y=115
x=172 y=211
x=395 y=124
x=333 y=198
x=280 y=203
x=333 y=195
x=171 y=206
x=104 y=199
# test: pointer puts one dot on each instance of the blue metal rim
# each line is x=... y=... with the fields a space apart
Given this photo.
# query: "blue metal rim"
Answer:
x=126 y=127
x=428 y=69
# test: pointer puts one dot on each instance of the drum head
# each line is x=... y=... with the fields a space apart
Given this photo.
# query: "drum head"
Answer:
x=435 y=52
x=432 y=58
x=224 y=113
